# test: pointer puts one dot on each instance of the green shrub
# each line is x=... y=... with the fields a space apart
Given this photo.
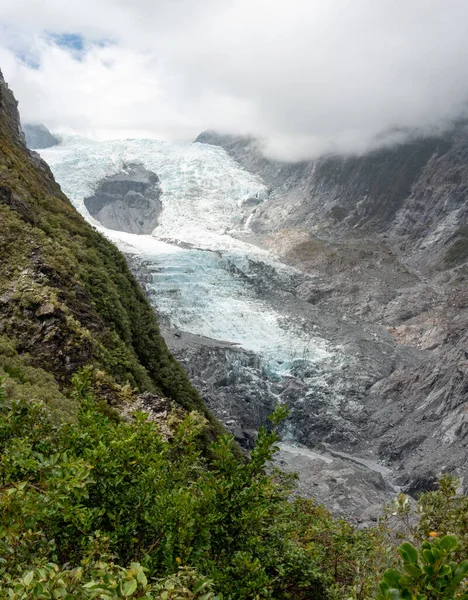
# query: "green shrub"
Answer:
x=121 y=493
x=428 y=574
x=81 y=499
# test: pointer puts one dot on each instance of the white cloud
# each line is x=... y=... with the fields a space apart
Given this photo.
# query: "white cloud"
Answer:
x=306 y=76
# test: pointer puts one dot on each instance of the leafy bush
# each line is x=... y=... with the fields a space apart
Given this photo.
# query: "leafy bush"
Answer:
x=80 y=499
x=429 y=574
x=100 y=490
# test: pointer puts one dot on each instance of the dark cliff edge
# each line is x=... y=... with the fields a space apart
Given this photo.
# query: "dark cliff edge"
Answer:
x=67 y=297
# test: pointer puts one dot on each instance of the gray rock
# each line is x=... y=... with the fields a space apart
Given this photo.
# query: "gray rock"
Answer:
x=355 y=491
x=38 y=137
x=128 y=201
x=384 y=238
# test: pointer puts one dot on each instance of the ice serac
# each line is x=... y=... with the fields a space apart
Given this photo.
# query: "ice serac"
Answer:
x=127 y=201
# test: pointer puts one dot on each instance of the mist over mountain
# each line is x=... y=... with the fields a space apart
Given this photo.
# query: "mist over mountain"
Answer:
x=304 y=77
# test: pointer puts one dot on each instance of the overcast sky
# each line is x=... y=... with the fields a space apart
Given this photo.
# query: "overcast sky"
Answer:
x=305 y=76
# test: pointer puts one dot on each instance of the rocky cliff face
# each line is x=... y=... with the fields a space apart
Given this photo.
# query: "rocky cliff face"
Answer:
x=383 y=239
x=9 y=114
x=128 y=201
x=38 y=136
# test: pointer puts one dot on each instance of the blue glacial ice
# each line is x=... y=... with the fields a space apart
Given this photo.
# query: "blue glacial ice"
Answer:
x=194 y=247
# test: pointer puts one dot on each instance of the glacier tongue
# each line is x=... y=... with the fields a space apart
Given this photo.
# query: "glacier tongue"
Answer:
x=199 y=278
x=230 y=311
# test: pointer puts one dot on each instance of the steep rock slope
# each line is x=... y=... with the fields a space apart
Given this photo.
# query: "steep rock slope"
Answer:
x=67 y=297
x=383 y=238
x=38 y=136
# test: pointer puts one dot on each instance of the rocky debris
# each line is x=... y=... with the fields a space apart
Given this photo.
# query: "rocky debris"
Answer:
x=45 y=310
x=326 y=393
x=230 y=379
x=158 y=408
x=127 y=201
x=348 y=487
x=38 y=136
x=384 y=240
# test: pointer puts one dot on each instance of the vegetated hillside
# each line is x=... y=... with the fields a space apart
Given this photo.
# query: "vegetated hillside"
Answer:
x=67 y=297
x=383 y=238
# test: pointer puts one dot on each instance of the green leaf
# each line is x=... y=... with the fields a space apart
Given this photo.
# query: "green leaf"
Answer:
x=413 y=570
x=141 y=577
x=408 y=553
x=383 y=587
x=28 y=578
x=429 y=557
x=426 y=546
x=446 y=570
x=449 y=543
x=392 y=577
x=437 y=553
x=461 y=572
x=129 y=587
x=202 y=584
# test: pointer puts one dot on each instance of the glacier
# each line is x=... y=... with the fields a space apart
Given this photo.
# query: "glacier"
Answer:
x=200 y=269
x=230 y=312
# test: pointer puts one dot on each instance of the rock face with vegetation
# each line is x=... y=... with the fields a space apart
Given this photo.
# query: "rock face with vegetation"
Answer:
x=67 y=297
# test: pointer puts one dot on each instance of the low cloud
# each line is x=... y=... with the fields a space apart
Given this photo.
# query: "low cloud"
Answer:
x=304 y=76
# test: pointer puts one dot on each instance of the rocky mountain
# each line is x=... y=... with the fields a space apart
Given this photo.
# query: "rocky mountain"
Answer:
x=38 y=136
x=67 y=298
x=383 y=240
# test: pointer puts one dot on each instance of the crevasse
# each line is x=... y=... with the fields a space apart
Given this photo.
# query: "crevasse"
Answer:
x=193 y=249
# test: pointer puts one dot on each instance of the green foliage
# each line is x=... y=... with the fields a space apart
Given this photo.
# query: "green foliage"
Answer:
x=99 y=491
x=107 y=581
x=438 y=513
x=23 y=381
x=79 y=499
x=428 y=574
